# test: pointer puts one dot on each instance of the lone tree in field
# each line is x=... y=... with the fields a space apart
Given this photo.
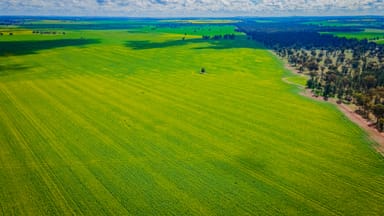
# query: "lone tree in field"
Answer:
x=202 y=71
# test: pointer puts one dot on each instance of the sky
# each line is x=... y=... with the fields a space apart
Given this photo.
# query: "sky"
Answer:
x=191 y=8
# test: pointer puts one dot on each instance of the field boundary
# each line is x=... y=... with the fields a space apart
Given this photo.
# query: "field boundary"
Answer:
x=349 y=112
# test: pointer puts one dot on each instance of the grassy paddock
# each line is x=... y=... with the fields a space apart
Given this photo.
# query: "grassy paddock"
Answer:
x=127 y=125
x=374 y=35
x=201 y=21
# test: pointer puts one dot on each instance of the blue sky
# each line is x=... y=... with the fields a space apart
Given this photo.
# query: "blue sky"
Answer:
x=169 y=8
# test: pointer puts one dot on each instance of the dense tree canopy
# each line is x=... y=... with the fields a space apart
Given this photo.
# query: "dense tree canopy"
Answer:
x=351 y=70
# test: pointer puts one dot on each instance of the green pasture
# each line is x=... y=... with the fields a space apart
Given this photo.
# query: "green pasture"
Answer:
x=351 y=22
x=297 y=80
x=196 y=30
x=121 y=122
x=374 y=35
x=201 y=21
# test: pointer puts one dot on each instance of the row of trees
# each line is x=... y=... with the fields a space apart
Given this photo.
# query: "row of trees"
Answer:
x=350 y=70
x=48 y=32
x=219 y=37
x=9 y=33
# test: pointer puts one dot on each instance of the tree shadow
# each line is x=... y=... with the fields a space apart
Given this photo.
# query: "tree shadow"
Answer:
x=6 y=70
x=9 y=48
x=146 y=44
x=230 y=44
x=206 y=44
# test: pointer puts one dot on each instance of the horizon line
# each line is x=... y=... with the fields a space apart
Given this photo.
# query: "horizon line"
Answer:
x=188 y=17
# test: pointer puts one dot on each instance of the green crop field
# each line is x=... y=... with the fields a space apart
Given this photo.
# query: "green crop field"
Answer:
x=121 y=122
x=374 y=35
x=348 y=22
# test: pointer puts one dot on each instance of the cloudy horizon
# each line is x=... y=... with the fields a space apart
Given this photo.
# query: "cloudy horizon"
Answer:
x=191 y=8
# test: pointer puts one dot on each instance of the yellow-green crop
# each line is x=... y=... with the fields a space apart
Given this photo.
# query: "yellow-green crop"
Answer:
x=121 y=122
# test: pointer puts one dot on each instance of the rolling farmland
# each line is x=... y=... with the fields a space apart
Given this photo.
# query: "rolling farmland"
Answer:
x=373 y=35
x=121 y=122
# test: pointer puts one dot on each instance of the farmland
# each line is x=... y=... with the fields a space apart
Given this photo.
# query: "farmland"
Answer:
x=369 y=28
x=110 y=119
x=374 y=35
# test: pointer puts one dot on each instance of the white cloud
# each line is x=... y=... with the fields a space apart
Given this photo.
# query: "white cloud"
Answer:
x=191 y=7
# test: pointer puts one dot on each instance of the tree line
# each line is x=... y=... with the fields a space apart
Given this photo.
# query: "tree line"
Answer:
x=47 y=32
x=219 y=37
x=350 y=70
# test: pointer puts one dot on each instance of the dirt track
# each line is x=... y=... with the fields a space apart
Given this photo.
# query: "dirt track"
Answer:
x=374 y=134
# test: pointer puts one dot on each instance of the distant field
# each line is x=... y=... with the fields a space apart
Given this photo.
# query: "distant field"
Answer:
x=201 y=21
x=351 y=22
x=371 y=28
x=375 y=35
x=196 y=31
x=121 y=122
